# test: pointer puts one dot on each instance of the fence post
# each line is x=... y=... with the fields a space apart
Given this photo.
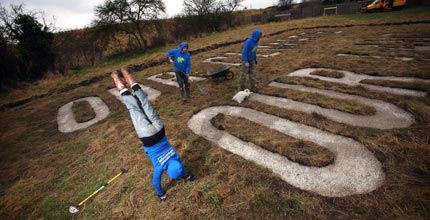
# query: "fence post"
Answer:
x=330 y=8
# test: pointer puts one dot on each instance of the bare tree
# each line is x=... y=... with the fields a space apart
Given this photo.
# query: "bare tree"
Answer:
x=211 y=13
x=135 y=16
x=231 y=5
x=199 y=7
x=205 y=7
x=285 y=4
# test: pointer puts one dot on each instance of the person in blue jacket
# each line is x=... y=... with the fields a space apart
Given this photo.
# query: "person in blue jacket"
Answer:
x=182 y=66
x=150 y=130
x=249 y=59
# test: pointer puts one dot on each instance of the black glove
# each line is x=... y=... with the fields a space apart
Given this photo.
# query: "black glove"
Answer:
x=163 y=197
x=256 y=61
x=189 y=177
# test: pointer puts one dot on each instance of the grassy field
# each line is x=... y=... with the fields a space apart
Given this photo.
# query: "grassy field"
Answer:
x=44 y=171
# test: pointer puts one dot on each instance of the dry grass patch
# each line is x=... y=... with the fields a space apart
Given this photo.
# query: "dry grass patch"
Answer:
x=83 y=111
x=326 y=73
x=302 y=152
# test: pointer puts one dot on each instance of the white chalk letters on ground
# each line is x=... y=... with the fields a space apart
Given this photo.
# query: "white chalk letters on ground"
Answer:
x=355 y=169
x=172 y=81
x=151 y=93
x=387 y=115
x=66 y=118
x=226 y=55
x=355 y=79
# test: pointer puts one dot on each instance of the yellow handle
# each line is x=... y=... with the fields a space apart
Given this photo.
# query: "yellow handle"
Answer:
x=89 y=197
x=119 y=174
x=108 y=182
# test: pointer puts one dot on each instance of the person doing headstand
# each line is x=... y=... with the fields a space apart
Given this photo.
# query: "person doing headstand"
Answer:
x=150 y=130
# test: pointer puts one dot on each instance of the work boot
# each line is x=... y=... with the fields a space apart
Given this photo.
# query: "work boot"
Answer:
x=187 y=90
x=128 y=78
x=119 y=84
x=183 y=94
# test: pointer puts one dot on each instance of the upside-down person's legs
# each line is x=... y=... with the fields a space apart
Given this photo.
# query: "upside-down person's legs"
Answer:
x=153 y=117
x=149 y=111
x=143 y=126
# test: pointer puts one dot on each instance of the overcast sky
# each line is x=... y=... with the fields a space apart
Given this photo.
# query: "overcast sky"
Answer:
x=74 y=14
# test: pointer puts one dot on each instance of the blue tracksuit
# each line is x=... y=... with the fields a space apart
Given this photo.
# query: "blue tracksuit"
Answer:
x=161 y=154
x=182 y=61
x=249 y=52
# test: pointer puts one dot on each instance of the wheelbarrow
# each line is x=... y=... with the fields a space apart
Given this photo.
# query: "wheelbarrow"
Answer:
x=220 y=71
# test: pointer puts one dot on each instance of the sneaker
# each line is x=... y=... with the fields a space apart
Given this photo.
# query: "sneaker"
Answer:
x=189 y=178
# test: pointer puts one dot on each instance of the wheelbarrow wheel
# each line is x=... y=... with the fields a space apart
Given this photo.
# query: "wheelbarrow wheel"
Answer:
x=229 y=75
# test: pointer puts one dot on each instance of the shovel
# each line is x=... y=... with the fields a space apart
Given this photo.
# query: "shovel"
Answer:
x=201 y=89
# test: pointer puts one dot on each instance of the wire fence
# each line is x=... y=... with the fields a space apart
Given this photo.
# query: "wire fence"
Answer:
x=305 y=12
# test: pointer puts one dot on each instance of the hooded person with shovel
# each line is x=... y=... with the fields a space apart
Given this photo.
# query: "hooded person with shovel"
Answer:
x=182 y=66
x=150 y=130
x=249 y=59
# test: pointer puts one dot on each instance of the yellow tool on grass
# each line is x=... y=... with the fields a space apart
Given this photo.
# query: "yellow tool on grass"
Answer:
x=73 y=209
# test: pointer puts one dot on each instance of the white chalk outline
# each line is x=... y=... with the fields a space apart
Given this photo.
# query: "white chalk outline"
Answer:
x=172 y=82
x=376 y=57
x=66 y=118
x=355 y=169
x=209 y=60
x=354 y=79
x=258 y=55
x=387 y=115
x=151 y=93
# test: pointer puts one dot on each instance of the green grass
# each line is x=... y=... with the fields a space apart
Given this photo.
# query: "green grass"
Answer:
x=77 y=71
x=120 y=58
x=53 y=208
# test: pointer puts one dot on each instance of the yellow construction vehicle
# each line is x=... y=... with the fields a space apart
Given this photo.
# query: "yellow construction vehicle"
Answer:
x=384 y=5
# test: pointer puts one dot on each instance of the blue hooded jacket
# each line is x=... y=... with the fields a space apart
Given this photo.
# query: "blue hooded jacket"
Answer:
x=164 y=158
x=181 y=61
x=249 y=52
